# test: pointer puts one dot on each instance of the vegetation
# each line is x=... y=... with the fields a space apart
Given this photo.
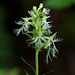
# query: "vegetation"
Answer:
x=39 y=32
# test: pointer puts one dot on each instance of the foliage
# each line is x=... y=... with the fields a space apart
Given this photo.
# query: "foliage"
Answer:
x=6 y=71
x=59 y=4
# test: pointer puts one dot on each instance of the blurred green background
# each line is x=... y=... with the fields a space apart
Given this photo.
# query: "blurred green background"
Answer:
x=12 y=47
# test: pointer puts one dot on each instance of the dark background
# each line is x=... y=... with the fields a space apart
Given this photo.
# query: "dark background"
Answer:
x=12 y=47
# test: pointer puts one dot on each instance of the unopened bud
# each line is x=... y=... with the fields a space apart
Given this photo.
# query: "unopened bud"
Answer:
x=34 y=8
x=41 y=5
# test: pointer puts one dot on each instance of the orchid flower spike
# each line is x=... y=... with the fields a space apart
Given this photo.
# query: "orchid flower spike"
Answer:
x=41 y=34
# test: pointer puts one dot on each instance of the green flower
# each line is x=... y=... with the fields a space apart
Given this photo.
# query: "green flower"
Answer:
x=40 y=34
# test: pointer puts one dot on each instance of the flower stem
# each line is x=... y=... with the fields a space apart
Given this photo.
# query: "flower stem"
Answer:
x=36 y=62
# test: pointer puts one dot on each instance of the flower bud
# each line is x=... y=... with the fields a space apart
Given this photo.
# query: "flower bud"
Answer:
x=44 y=10
x=34 y=8
x=41 y=5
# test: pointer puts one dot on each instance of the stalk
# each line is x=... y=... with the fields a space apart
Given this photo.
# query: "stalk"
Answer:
x=36 y=62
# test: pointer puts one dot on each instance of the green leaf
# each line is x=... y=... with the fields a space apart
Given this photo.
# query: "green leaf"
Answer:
x=51 y=37
x=73 y=1
x=28 y=35
x=15 y=71
x=26 y=72
x=28 y=64
x=58 y=4
x=48 y=72
x=3 y=71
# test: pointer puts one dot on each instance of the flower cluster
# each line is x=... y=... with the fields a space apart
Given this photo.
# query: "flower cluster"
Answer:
x=40 y=34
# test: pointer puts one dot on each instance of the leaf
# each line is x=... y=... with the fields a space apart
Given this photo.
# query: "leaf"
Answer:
x=28 y=64
x=3 y=71
x=26 y=72
x=48 y=72
x=28 y=35
x=15 y=71
x=58 y=4
x=73 y=1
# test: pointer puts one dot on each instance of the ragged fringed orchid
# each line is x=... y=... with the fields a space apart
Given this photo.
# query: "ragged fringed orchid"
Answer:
x=39 y=31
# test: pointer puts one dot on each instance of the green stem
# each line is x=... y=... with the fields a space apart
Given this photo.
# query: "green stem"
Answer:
x=36 y=62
